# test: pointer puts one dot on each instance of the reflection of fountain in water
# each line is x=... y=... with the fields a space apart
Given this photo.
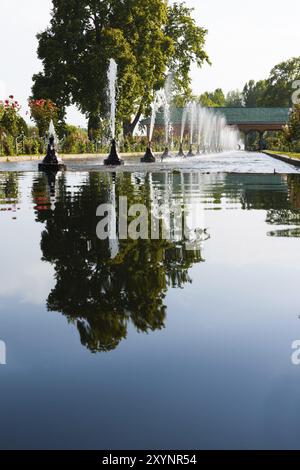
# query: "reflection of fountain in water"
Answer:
x=113 y=237
x=182 y=216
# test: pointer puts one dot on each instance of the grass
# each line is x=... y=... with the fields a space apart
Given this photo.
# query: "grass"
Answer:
x=288 y=154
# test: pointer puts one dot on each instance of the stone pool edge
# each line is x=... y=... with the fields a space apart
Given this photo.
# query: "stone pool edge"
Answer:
x=284 y=158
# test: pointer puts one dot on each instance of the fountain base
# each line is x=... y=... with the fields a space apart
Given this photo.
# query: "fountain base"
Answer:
x=166 y=154
x=181 y=152
x=51 y=163
x=148 y=157
x=113 y=158
x=199 y=150
x=190 y=154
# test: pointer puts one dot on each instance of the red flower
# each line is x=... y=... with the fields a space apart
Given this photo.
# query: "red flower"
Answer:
x=11 y=97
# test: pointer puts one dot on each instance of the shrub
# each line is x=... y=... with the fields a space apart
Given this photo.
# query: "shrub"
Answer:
x=42 y=112
x=10 y=121
x=75 y=141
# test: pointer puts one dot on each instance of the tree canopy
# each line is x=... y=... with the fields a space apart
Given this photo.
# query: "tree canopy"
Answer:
x=275 y=91
x=279 y=85
x=147 y=39
x=213 y=99
x=253 y=93
x=292 y=130
x=234 y=98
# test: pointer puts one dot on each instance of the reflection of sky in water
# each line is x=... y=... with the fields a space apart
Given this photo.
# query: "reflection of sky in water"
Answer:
x=219 y=374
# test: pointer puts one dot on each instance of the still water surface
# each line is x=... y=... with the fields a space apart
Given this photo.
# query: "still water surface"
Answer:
x=159 y=347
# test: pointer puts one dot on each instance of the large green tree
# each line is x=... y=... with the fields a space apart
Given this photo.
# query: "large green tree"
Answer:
x=213 y=99
x=279 y=85
x=234 y=98
x=148 y=40
x=292 y=130
x=253 y=93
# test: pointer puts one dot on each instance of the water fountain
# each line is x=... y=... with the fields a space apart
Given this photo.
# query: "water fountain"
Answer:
x=183 y=123
x=192 y=119
x=213 y=133
x=211 y=130
x=158 y=99
x=167 y=115
x=199 y=128
x=52 y=162
x=113 y=158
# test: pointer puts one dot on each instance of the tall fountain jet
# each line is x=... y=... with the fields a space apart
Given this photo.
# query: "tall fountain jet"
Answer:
x=167 y=115
x=113 y=158
x=157 y=103
x=192 y=120
x=183 y=123
x=199 y=127
x=213 y=133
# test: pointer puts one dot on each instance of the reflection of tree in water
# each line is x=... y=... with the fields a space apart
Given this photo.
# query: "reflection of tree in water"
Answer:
x=9 y=193
x=293 y=182
x=283 y=217
x=279 y=195
x=9 y=187
x=248 y=191
x=102 y=295
x=289 y=216
x=258 y=191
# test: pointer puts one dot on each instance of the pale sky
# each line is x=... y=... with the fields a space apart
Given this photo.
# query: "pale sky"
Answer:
x=245 y=40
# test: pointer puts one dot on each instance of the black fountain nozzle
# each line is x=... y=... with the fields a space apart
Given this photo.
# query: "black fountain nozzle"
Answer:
x=113 y=158
x=190 y=154
x=165 y=154
x=181 y=152
x=51 y=162
x=148 y=157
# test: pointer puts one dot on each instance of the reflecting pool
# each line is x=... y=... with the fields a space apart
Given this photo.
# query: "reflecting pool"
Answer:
x=157 y=345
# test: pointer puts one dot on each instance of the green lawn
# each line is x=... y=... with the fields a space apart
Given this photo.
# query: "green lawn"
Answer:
x=288 y=154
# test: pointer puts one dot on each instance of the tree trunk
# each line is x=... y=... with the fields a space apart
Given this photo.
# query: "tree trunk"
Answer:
x=129 y=127
x=94 y=126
